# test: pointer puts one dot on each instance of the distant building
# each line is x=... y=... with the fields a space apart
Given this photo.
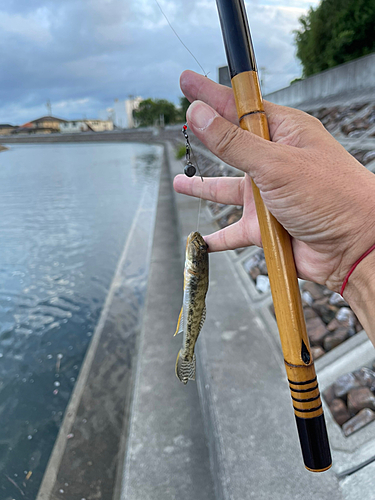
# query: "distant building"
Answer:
x=74 y=127
x=122 y=112
x=99 y=125
x=51 y=124
x=45 y=124
x=6 y=129
x=131 y=105
x=224 y=76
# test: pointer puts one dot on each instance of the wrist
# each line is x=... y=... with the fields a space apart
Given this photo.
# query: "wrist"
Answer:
x=360 y=294
x=355 y=265
x=360 y=234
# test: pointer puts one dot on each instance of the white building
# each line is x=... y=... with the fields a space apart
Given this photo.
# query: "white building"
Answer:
x=76 y=126
x=130 y=105
x=122 y=112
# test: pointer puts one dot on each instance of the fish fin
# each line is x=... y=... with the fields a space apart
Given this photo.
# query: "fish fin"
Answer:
x=203 y=317
x=185 y=369
x=180 y=322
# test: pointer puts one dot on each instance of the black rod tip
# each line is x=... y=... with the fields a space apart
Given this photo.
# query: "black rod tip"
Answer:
x=236 y=35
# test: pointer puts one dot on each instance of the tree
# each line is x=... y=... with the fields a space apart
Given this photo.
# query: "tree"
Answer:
x=184 y=104
x=335 y=32
x=150 y=111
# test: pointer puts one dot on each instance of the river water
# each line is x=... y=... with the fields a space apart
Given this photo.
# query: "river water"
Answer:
x=65 y=214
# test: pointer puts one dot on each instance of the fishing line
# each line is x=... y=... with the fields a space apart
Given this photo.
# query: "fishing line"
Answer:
x=200 y=197
x=175 y=32
x=199 y=210
x=189 y=168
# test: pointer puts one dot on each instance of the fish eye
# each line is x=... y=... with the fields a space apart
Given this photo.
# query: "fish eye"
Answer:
x=202 y=247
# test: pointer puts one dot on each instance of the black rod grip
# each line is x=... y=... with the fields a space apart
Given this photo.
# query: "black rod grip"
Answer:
x=314 y=443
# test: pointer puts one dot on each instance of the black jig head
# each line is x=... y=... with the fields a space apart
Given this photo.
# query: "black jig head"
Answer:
x=189 y=169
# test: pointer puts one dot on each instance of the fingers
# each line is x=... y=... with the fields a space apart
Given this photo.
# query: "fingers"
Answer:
x=301 y=129
x=293 y=126
x=198 y=87
x=226 y=190
x=237 y=235
x=233 y=145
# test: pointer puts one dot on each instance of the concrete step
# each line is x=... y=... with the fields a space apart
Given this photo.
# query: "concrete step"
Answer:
x=167 y=455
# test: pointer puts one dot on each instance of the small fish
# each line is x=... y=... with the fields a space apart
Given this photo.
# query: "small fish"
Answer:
x=193 y=311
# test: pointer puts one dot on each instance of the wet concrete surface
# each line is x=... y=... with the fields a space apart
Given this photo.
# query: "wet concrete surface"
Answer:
x=87 y=460
x=167 y=454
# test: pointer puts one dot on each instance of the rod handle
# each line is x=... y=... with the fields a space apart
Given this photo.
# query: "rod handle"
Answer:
x=286 y=296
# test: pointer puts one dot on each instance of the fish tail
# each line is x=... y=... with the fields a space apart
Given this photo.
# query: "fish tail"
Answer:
x=185 y=369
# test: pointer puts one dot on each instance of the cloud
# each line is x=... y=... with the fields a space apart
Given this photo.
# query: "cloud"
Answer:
x=32 y=27
x=289 y=4
x=89 y=52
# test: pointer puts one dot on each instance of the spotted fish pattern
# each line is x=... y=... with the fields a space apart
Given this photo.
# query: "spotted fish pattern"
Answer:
x=193 y=311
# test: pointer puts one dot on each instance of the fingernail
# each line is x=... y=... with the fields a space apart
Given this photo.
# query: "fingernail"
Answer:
x=200 y=115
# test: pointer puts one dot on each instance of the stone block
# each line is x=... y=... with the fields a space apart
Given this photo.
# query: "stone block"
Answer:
x=315 y=290
x=325 y=310
x=344 y=384
x=309 y=312
x=317 y=352
x=339 y=411
x=366 y=376
x=363 y=418
x=360 y=398
x=337 y=338
x=316 y=330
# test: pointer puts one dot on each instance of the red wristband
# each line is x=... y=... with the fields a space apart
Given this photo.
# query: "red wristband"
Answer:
x=353 y=267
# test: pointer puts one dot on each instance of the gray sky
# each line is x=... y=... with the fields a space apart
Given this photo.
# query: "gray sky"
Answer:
x=83 y=54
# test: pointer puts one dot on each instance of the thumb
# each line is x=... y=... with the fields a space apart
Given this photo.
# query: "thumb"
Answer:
x=233 y=145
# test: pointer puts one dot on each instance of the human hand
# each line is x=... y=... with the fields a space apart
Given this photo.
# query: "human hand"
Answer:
x=321 y=195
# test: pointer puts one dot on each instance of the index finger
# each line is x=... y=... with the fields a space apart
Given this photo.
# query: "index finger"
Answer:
x=225 y=190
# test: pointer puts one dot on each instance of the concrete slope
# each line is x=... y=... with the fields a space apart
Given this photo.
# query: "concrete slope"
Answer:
x=167 y=456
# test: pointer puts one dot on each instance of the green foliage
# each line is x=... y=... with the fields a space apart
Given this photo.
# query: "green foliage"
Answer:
x=184 y=104
x=335 y=32
x=151 y=110
x=180 y=153
x=296 y=80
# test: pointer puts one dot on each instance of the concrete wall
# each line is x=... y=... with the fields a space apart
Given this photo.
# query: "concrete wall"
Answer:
x=350 y=77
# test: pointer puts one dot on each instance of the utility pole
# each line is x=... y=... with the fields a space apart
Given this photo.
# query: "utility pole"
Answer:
x=263 y=71
x=49 y=108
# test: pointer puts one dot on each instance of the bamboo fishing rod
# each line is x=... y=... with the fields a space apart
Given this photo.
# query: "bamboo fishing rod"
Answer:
x=277 y=248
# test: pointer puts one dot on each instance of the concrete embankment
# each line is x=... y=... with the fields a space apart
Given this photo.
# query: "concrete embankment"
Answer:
x=145 y=135
x=167 y=454
x=350 y=82
x=231 y=435
x=88 y=456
